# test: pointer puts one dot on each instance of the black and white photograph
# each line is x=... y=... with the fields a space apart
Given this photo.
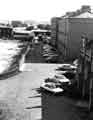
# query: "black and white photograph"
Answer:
x=46 y=60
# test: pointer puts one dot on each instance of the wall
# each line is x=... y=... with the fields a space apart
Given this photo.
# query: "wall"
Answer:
x=54 y=30
x=69 y=33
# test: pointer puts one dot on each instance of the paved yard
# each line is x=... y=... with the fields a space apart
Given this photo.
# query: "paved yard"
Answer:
x=20 y=98
x=19 y=95
x=35 y=54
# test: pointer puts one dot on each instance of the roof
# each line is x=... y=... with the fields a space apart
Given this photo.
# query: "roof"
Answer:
x=39 y=30
x=6 y=27
x=85 y=15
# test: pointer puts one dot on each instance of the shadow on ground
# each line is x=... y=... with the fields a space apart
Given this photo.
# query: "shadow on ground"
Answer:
x=62 y=107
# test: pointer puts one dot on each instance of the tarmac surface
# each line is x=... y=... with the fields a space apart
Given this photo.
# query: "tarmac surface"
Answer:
x=22 y=99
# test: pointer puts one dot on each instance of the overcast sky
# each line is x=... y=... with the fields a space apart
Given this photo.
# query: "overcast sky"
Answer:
x=39 y=10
